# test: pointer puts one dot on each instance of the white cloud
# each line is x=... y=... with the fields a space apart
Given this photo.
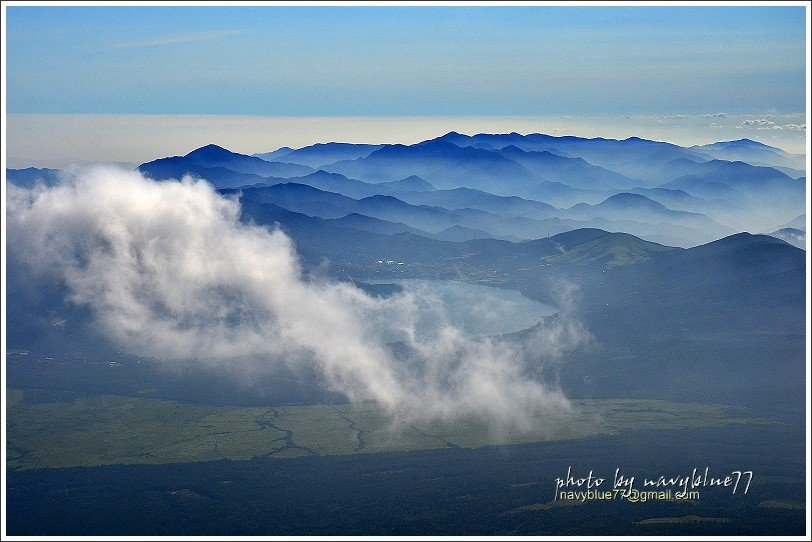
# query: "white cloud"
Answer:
x=169 y=270
x=765 y=124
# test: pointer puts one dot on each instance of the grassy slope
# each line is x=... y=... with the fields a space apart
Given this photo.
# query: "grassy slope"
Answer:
x=611 y=250
x=125 y=430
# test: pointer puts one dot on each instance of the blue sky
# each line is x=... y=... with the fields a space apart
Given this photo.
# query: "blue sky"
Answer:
x=397 y=61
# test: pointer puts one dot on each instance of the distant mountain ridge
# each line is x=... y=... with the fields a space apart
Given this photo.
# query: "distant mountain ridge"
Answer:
x=796 y=238
x=513 y=186
x=29 y=177
x=225 y=169
x=320 y=154
x=753 y=152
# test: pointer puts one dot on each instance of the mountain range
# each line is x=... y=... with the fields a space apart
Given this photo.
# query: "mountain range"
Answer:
x=512 y=186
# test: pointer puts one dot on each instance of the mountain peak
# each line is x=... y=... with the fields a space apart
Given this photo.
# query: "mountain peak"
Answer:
x=610 y=250
x=210 y=151
x=381 y=198
x=451 y=137
x=512 y=148
x=750 y=243
x=743 y=142
x=412 y=182
x=627 y=199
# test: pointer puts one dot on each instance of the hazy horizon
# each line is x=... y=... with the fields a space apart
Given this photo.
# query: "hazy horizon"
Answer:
x=53 y=140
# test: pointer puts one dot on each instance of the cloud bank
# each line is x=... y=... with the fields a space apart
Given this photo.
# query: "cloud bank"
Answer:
x=168 y=270
x=765 y=124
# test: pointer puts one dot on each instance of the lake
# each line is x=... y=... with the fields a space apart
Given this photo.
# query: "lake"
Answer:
x=477 y=309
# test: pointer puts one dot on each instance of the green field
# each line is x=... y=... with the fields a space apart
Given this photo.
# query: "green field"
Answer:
x=110 y=429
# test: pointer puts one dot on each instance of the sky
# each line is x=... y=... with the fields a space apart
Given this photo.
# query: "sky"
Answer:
x=609 y=63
